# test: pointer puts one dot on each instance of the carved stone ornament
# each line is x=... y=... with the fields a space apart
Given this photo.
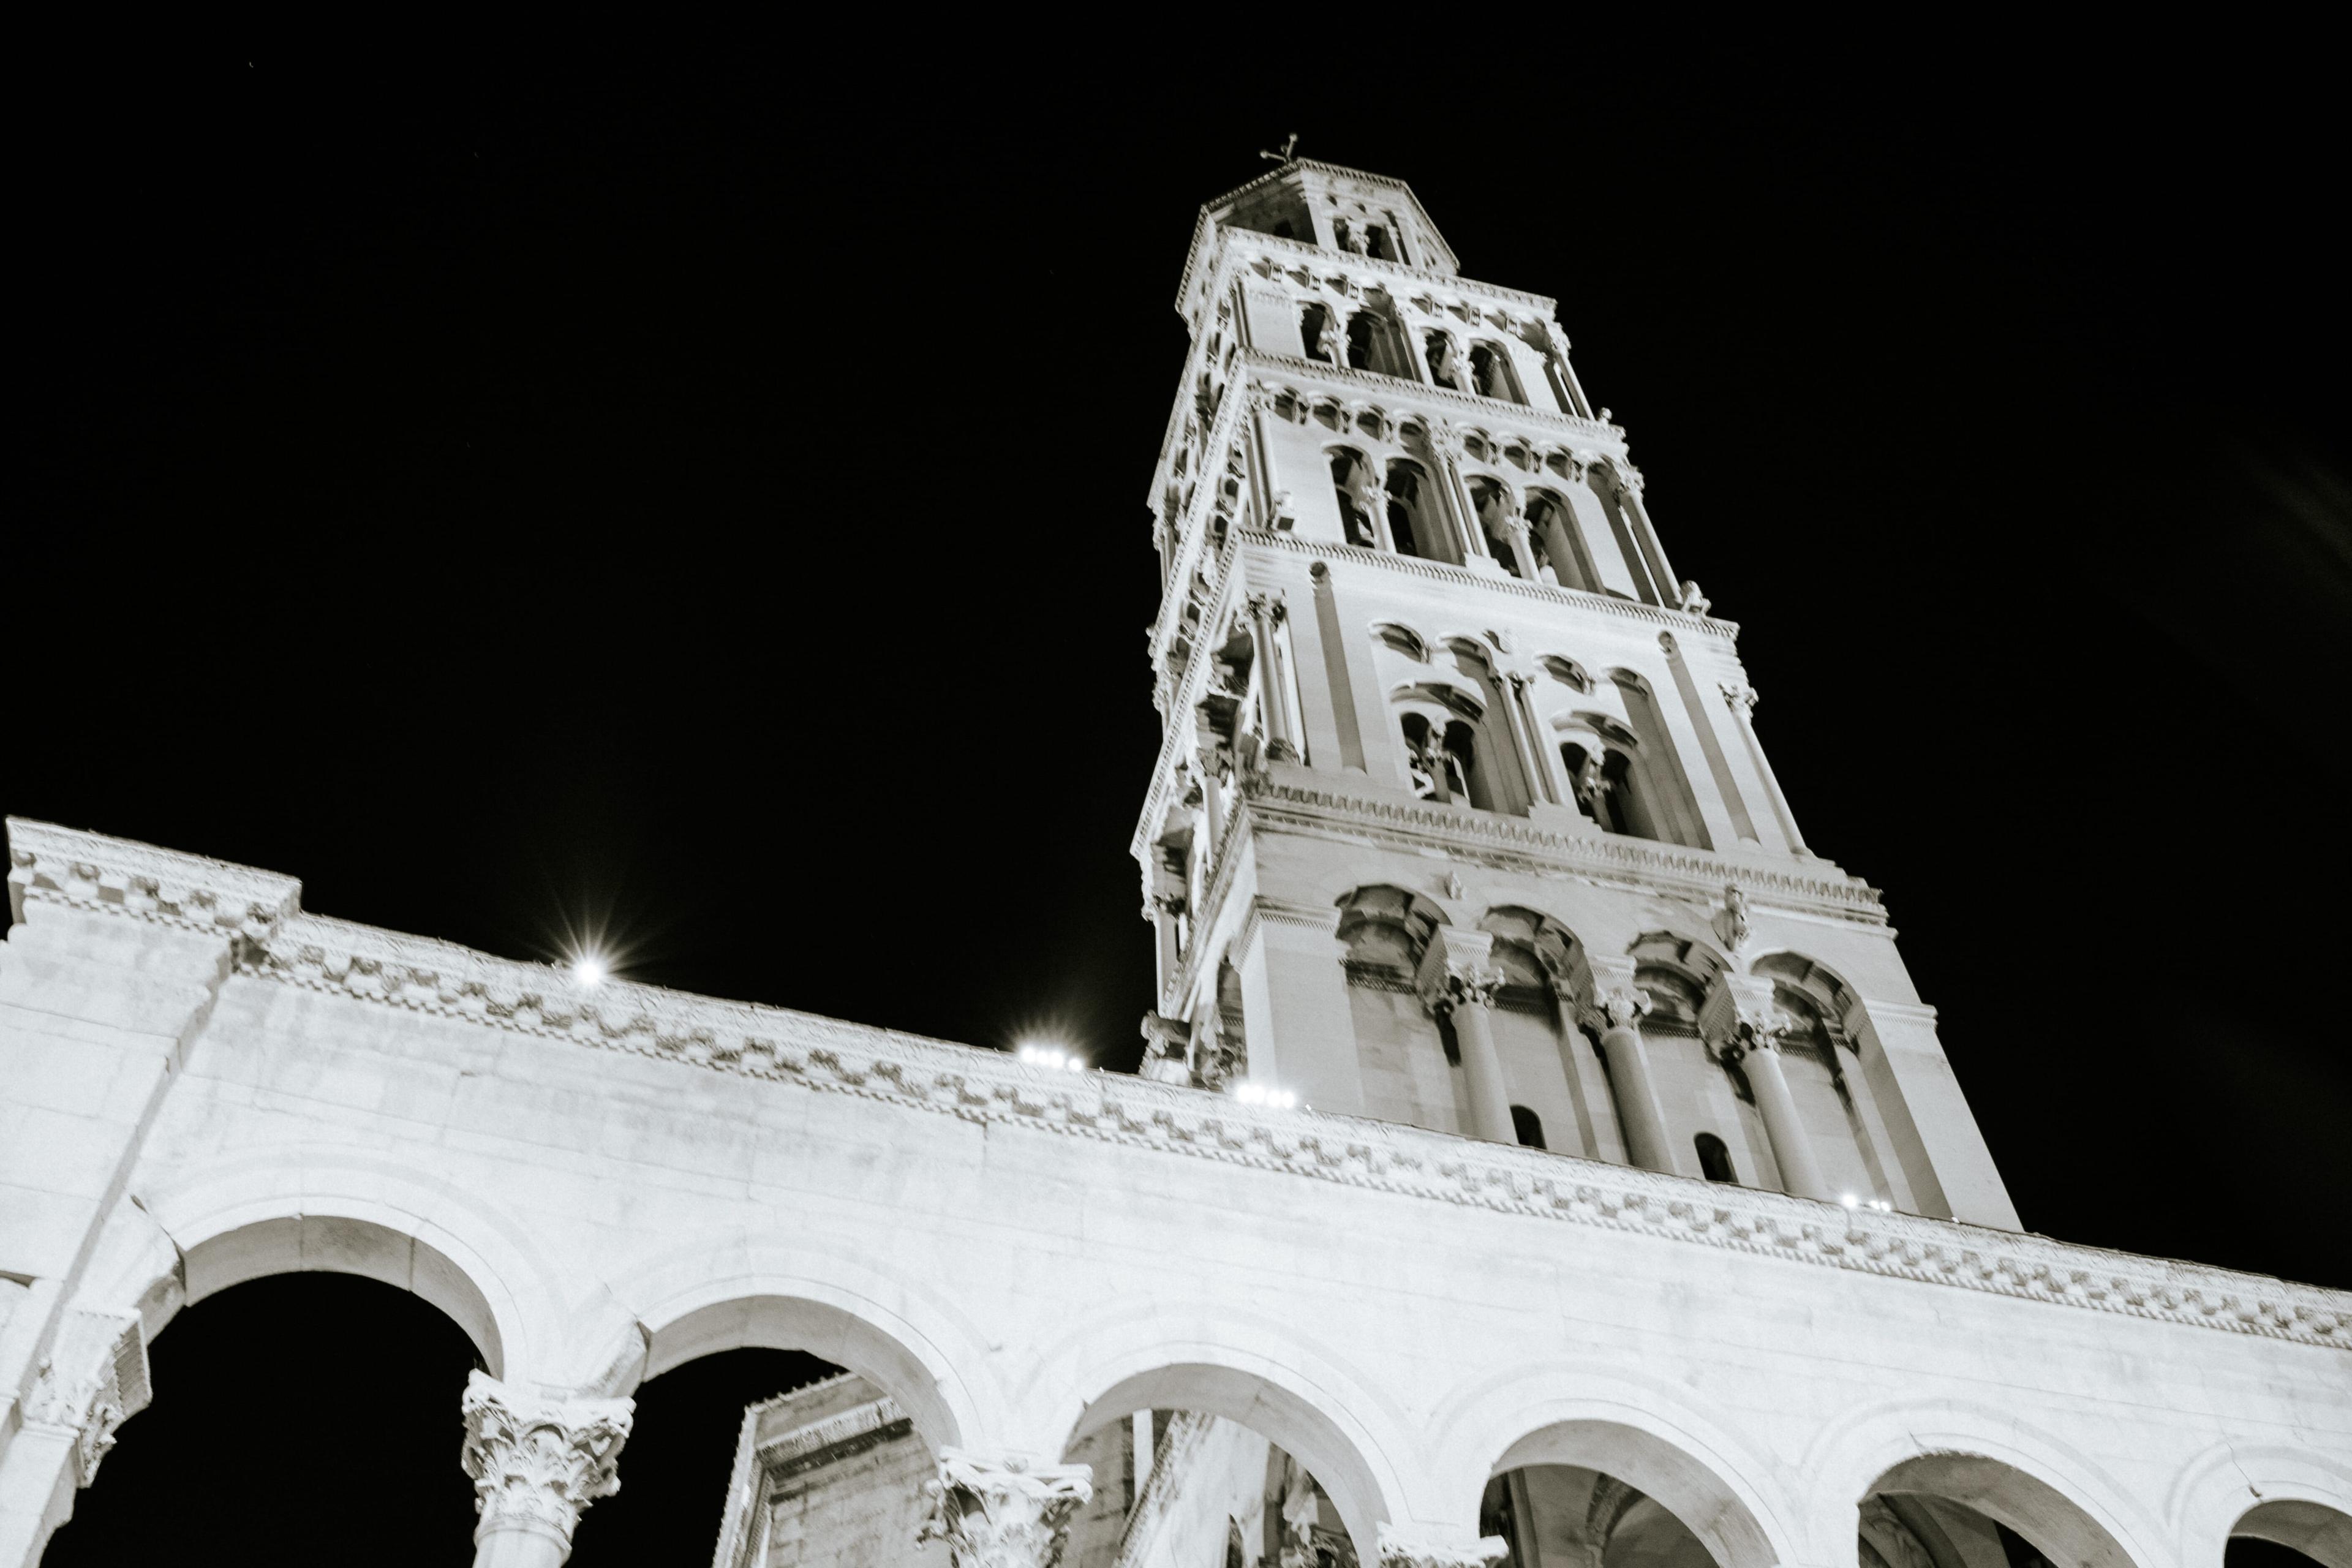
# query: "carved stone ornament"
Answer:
x=1742 y=699
x=1003 y=1514
x=94 y=1380
x=538 y=1463
x=1406 y=1549
x=1732 y=925
x=1620 y=1009
x=1468 y=982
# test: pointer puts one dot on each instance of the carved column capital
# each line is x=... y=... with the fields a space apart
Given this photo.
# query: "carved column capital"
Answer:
x=1739 y=1017
x=1002 y=1513
x=1403 y=1548
x=1457 y=969
x=93 y=1380
x=1742 y=698
x=538 y=1463
x=1267 y=606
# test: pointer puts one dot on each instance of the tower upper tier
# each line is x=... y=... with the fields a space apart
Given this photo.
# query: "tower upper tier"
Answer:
x=1319 y=204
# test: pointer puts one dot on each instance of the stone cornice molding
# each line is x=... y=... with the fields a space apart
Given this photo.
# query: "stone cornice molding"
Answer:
x=1596 y=440
x=1414 y=565
x=50 y=864
x=441 y=979
x=536 y=1463
x=1276 y=912
x=800 y=1442
x=1513 y=843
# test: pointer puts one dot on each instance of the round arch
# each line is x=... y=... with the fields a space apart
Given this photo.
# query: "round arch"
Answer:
x=810 y=1295
x=2060 y=1528
x=1262 y=1376
x=2277 y=1492
x=305 y=1209
x=1638 y=1429
x=2049 y=1492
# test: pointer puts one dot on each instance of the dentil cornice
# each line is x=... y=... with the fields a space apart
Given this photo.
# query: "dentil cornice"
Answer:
x=380 y=968
x=49 y=864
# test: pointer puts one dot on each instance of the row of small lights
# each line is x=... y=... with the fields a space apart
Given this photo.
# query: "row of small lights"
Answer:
x=1881 y=1204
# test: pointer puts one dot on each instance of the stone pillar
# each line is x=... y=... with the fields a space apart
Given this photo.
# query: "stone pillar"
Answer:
x=1216 y=764
x=1301 y=1032
x=1405 y=1547
x=1610 y=1003
x=1516 y=528
x=1458 y=980
x=1742 y=701
x=1265 y=613
x=1550 y=780
x=536 y=1465
x=1002 y=1513
x=1165 y=908
x=93 y=1379
x=1740 y=1021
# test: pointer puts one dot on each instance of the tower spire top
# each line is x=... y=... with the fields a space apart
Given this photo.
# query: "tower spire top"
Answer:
x=1289 y=150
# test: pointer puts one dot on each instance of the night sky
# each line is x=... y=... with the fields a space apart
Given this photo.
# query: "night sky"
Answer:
x=642 y=495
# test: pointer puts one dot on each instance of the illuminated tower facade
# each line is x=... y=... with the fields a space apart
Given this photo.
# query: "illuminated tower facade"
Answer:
x=1460 y=817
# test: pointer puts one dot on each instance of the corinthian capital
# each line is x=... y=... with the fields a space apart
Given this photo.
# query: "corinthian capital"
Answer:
x=538 y=1463
x=1001 y=1513
x=1742 y=698
x=1464 y=984
x=1622 y=1008
x=1407 y=1549
x=1266 y=606
x=1739 y=1015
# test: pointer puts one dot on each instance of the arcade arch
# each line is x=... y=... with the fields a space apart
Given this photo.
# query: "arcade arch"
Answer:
x=1947 y=1509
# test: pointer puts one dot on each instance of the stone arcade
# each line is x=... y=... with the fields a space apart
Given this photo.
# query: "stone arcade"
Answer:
x=1629 y=1216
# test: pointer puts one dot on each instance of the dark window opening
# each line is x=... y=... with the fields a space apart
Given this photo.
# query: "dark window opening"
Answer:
x=1715 y=1160
x=1315 y=329
x=1529 y=1128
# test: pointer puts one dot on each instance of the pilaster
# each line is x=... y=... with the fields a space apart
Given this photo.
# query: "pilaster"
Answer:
x=1302 y=1034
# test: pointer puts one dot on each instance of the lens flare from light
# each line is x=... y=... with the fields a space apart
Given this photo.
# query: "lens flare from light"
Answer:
x=591 y=968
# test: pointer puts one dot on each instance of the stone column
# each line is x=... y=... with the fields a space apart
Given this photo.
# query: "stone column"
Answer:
x=1403 y=1547
x=1002 y=1513
x=1610 y=1003
x=1742 y=701
x=1458 y=980
x=1550 y=779
x=1165 y=908
x=1265 y=613
x=1741 y=1022
x=1216 y=763
x=1516 y=528
x=536 y=1465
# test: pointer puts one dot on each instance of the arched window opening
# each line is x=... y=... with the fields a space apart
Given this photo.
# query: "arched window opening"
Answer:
x=1282 y=230
x=1633 y=812
x=1490 y=373
x=1377 y=244
x=1407 y=492
x=1605 y=784
x=1350 y=482
x=1494 y=504
x=1236 y=1550
x=1443 y=760
x=1552 y=525
x=1463 y=781
x=1715 y=1160
x=1444 y=368
x=1314 y=331
x=1368 y=344
x=1528 y=1127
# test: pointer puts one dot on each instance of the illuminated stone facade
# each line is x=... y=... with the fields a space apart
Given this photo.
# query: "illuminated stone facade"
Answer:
x=1462 y=839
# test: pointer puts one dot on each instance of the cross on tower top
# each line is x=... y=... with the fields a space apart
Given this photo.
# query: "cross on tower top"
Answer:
x=1289 y=146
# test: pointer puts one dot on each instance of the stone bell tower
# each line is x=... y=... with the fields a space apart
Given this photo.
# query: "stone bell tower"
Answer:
x=1460 y=818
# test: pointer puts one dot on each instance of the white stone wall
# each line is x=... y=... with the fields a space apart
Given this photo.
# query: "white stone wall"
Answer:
x=201 y=1086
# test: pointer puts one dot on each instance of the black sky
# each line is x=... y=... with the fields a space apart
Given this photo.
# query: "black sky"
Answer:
x=647 y=491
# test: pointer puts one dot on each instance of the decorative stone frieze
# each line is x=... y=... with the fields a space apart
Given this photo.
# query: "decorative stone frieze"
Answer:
x=537 y=1464
x=1402 y=1548
x=93 y=1380
x=1002 y=1513
x=829 y=1056
x=49 y=864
